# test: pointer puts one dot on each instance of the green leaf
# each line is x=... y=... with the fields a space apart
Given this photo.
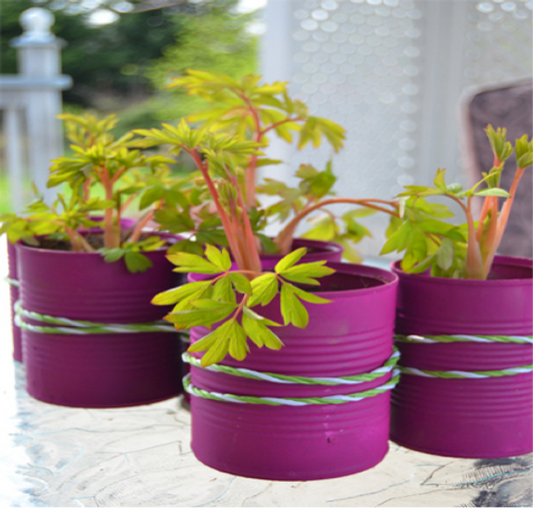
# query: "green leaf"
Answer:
x=495 y=191
x=241 y=283
x=292 y=309
x=112 y=255
x=219 y=350
x=265 y=288
x=308 y=297
x=184 y=319
x=180 y=293
x=439 y=180
x=223 y=290
x=445 y=254
x=218 y=258
x=137 y=262
x=290 y=259
x=237 y=344
x=307 y=272
x=260 y=334
x=192 y=263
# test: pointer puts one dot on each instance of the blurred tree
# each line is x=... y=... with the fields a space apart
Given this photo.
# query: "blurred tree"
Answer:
x=215 y=39
x=105 y=60
x=119 y=51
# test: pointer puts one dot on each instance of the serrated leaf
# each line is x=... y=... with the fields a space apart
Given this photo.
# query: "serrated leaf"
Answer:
x=290 y=259
x=265 y=288
x=253 y=315
x=308 y=297
x=112 y=255
x=241 y=283
x=180 y=293
x=260 y=334
x=223 y=291
x=137 y=262
x=184 y=319
x=237 y=343
x=192 y=263
x=292 y=309
x=218 y=258
x=307 y=273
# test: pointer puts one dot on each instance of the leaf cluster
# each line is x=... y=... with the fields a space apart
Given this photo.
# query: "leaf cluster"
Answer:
x=246 y=108
x=467 y=250
x=225 y=300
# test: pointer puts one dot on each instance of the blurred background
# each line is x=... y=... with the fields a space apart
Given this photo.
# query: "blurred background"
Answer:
x=414 y=82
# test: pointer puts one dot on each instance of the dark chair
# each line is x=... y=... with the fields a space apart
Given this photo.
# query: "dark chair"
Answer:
x=509 y=106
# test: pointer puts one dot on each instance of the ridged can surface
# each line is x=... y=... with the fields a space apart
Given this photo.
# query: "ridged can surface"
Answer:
x=351 y=335
x=97 y=370
x=14 y=296
x=469 y=418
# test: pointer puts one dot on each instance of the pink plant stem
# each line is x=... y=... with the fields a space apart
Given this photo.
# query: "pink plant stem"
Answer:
x=140 y=225
x=110 y=239
x=474 y=263
x=284 y=239
x=231 y=233
x=250 y=175
x=251 y=245
x=502 y=222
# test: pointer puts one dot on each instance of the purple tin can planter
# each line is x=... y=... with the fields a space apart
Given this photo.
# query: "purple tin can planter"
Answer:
x=14 y=296
x=485 y=417
x=351 y=335
x=97 y=370
x=317 y=251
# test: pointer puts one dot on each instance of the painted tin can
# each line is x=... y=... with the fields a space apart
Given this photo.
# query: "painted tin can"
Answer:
x=14 y=296
x=349 y=336
x=97 y=370
x=470 y=418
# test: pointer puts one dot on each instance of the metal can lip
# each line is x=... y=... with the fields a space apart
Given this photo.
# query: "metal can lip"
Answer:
x=506 y=270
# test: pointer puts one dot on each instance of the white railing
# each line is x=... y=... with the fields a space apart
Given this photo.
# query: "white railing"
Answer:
x=30 y=102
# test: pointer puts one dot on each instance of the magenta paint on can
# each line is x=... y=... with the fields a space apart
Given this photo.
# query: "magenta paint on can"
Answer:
x=97 y=370
x=350 y=336
x=317 y=250
x=469 y=418
x=14 y=296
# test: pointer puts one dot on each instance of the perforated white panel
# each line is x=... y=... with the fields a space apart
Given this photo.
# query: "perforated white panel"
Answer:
x=392 y=72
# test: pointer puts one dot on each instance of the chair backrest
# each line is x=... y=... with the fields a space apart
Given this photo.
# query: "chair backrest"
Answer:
x=511 y=107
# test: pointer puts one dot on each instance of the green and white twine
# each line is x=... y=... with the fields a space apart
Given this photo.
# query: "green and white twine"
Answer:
x=285 y=379
x=12 y=282
x=77 y=327
x=433 y=339
x=288 y=401
x=459 y=374
x=382 y=371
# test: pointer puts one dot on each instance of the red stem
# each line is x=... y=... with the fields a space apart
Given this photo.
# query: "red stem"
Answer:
x=284 y=239
x=228 y=226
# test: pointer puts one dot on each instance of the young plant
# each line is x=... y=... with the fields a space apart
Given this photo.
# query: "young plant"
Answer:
x=103 y=175
x=213 y=300
x=465 y=251
x=226 y=149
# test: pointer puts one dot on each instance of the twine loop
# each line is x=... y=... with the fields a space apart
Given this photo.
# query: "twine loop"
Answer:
x=78 y=327
x=459 y=374
x=12 y=282
x=384 y=370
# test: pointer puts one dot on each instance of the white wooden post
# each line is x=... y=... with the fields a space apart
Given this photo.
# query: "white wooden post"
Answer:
x=37 y=91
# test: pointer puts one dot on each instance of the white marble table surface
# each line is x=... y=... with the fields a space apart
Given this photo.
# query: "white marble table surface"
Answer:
x=141 y=456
